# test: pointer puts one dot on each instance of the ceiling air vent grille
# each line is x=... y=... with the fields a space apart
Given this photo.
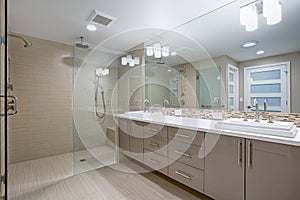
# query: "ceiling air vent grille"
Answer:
x=100 y=18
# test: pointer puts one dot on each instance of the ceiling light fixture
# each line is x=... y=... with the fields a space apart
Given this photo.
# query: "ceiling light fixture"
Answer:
x=157 y=50
x=130 y=60
x=260 y=52
x=249 y=44
x=91 y=27
x=271 y=9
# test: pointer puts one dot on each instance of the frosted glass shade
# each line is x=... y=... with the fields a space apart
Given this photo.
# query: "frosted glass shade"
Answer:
x=274 y=14
x=136 y=60
x=149 y=50
x=123 y=61
x=165 y=51
x=252 y=19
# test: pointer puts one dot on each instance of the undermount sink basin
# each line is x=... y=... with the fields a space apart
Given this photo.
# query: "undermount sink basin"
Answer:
x=283 y=129
x=143 y=115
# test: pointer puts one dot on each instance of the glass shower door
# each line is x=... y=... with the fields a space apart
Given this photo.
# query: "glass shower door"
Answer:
x=3 y=100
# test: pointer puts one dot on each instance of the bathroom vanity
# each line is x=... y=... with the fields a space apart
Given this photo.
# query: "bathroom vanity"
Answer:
x=223 y=164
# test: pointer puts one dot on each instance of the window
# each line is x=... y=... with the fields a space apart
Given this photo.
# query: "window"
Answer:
x=233 y=88
x=270 y=82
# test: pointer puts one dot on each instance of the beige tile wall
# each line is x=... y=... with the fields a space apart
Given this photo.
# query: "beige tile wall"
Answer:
x=42 y=81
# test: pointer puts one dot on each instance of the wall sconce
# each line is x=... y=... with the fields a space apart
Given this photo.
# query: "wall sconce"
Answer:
x=271 y=9
x=130 y=60
x=157 y=50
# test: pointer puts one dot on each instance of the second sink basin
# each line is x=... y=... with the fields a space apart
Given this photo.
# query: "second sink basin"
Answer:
x=283 y=129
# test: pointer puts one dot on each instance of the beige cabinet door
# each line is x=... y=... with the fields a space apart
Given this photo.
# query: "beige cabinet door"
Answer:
x=123 y=136
x=136 y=140
x=224 y=169
x=272 y=171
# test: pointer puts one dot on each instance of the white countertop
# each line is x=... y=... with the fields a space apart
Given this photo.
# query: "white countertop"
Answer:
x=206 y=125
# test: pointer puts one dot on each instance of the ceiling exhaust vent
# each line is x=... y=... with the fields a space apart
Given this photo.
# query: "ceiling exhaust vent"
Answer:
x=101 y=18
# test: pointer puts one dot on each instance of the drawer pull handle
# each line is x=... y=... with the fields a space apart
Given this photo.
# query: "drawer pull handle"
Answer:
x=240 y=153
x=153 y=144
x=154 y=161
x=152 y=130
x=183 y=154
x=250 y=152
x=183 y=136
x=180 y=173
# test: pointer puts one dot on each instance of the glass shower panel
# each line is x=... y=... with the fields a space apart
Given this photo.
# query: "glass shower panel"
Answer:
x=3 y=100
x=209 y=88
x=94 y=127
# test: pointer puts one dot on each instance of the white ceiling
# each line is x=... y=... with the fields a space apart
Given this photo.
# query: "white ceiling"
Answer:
x=65 y=20
x=218 y=32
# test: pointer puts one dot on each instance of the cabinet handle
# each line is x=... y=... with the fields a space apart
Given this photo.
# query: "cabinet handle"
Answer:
x=183 y=154
x=154 y=161
x=184 y=175
x=250 y=154
x=183 y=136
x=153 y=144
x=152 y=130
x=240 y=152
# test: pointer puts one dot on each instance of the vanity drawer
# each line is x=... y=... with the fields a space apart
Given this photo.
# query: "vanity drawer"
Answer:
x=136 y=129
x=156 y=161
x=185 y=153
x=123 y=125
x=152 y=129
x=187 y=175
x=187 y=136
x=157 y=142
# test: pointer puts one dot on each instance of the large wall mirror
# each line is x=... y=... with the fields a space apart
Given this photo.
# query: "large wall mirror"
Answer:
x=207 y=66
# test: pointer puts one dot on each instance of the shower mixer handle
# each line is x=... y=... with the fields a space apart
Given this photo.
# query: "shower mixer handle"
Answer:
x=14 y=105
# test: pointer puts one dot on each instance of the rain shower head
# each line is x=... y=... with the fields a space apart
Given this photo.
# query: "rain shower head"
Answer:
x=81 y=45
x=26 y=43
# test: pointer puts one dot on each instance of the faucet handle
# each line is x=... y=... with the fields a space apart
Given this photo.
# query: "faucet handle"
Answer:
x=255 y=102
x=270 y=119
x=166 y=102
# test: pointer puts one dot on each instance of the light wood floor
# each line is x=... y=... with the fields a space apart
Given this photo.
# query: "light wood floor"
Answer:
x=51 y=179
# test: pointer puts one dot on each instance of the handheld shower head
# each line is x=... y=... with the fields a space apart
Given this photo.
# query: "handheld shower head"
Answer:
x=26 y=43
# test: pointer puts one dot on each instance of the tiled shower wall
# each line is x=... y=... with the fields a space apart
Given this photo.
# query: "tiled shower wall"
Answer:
x=42 y=80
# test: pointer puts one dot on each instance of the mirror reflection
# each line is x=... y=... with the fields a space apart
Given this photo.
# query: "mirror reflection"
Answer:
x=225 y=64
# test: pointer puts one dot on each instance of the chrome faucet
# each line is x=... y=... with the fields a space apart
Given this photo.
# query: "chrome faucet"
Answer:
x=255 y=104
x=265 y=105
x=166 y=102
x=146 y=108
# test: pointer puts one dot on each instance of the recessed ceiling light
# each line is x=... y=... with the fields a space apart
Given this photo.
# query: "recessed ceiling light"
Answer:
x=249 y=44
x=169 y=70
x=91 y=27
x=260 y=52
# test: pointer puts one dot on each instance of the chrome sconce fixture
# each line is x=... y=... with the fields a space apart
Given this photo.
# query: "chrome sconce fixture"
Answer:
x=157 y=50
x=130 y=60
x=270 y=9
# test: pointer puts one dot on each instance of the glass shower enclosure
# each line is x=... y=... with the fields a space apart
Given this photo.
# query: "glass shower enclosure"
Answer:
x=94 y=127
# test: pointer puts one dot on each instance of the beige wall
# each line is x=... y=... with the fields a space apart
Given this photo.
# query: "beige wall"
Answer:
x=294 y=58
x=42 y=81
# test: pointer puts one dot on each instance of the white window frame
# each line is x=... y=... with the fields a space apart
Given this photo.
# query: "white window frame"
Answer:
x=235 y=95
x=288 y=82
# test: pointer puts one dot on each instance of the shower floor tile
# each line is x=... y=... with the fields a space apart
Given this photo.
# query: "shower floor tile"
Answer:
x=52 y=179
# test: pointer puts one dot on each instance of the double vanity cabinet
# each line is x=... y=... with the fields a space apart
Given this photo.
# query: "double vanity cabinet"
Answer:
x=235 y=168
